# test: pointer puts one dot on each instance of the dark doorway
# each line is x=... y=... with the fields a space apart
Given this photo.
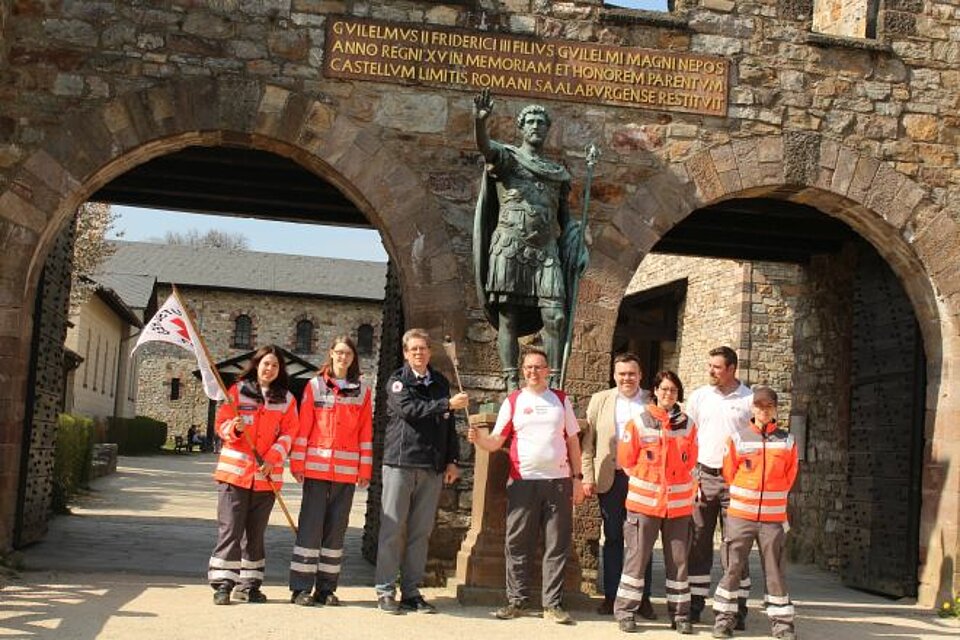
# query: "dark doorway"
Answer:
x=881 y=519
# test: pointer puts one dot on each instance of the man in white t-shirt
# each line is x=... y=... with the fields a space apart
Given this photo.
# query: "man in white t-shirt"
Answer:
x=545 y=482
x=717 y=409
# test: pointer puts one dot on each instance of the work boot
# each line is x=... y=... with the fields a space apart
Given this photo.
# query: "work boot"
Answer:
x=222 y=594
x=253 y=596
x=417 y=604
x=741 y=624
x=387 y=604
x=606 y=607
x=722 y=631
x=510 y=611
x=557 y=614
x=627 y=625
x=646 y=609
x=302 y=598
x=326 y=598
x=786 y=634
x=683 y=626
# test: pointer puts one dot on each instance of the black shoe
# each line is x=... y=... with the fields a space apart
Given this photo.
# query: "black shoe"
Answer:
x=722 y=631
x=741 y=624
x=417 y=605
x=326 y=599
x=683 y=627
x=627 y=625
x=222 y=594
x=302 y=598
x=694 y=617
x=605 y=608
x=646 y=609
x=388 y=605
x=253 y=596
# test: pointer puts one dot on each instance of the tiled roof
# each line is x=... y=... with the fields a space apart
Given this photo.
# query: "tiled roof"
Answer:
x=245 y=270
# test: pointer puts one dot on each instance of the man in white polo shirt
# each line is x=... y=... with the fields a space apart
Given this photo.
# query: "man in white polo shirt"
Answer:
x=545 y=483
x=717 y=409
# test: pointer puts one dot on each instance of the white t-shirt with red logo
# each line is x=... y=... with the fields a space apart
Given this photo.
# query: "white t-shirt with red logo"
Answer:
x=537 y=434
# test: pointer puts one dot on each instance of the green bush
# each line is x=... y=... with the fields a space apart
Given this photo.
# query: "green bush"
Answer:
x=136 y=436
x=71 y=462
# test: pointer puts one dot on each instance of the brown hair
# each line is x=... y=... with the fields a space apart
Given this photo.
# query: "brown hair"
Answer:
x=278 y=388
x=353 y=371
x=672 y=377
x=627 y=356
x=764 y=396
x=729 y=355
x=532 y=351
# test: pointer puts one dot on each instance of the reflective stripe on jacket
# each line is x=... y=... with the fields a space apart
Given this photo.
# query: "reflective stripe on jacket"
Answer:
x=658 y=453
x=335 y=441
x=760 y=466
x=272 y=427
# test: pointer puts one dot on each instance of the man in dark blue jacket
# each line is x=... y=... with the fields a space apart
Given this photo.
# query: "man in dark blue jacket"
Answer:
x=421 y=450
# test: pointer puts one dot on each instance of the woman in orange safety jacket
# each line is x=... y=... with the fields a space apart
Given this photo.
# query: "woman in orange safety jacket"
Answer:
x=332 y=455
x=257 y=425
x=760 y=466
x=658 y=451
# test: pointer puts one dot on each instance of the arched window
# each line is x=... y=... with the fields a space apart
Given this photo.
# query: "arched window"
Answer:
x=242 y=332
x=365 y=340
x=304 y=337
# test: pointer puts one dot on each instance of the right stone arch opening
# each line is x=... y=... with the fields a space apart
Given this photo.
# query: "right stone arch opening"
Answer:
x=814 y=311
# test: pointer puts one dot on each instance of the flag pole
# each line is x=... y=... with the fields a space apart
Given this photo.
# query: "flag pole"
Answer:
x=223 y=389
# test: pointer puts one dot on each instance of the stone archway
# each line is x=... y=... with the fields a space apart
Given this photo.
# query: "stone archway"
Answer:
x=94 y=146
x=887 y=208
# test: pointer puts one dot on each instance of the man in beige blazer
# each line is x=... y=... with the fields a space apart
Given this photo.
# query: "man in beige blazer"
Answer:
x=607 y=414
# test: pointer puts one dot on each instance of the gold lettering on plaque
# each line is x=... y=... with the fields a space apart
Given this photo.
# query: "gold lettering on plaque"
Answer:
x=522 y=66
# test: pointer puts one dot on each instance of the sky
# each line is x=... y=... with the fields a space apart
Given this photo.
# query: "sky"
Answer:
x=145 y=225
x=652 y=5
x=140 y=224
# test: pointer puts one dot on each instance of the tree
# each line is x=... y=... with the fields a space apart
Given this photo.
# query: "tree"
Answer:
x=90 y=249
x=212 y=238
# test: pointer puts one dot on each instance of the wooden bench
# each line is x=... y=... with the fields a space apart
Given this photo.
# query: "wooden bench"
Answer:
x=180 y=444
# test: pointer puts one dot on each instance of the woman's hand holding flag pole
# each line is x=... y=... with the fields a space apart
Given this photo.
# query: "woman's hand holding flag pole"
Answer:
x=172 y=324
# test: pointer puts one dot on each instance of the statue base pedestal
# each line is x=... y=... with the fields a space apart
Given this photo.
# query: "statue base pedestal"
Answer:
x=481 y=571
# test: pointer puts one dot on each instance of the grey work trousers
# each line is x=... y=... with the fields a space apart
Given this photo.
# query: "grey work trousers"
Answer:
x=239 y=556
x=408 y=509
x=711 y=504
x=639 y=534
x=738 y=538
x=534 y=506
x=318 y=552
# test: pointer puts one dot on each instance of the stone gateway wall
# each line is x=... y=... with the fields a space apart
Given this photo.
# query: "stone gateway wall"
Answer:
x=863 y=130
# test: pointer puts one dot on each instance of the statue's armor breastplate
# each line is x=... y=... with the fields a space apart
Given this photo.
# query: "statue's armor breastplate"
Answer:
x=528 y=206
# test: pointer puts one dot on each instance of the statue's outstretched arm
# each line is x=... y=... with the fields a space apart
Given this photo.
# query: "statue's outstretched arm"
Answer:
x=482 y=108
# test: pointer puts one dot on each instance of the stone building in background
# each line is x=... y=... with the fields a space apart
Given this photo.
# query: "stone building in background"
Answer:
x=243 y=300
x=812 y=143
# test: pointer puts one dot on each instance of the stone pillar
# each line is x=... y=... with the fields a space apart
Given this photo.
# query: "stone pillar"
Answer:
x=481 y=573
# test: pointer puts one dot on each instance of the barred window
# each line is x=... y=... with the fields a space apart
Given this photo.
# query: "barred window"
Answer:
x=242 y=332
x=304 y=337
x=365 y=340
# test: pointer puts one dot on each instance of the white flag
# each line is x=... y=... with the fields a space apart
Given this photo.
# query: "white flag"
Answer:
x=170 y=324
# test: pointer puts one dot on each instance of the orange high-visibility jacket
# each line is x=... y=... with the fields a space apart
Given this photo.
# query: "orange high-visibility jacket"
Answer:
x=335 y=441
x=760 y=465
x=658 y=453
x=272 y=427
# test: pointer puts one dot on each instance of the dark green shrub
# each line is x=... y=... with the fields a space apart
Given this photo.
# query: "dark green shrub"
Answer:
x=71 y=461
x=136 y=436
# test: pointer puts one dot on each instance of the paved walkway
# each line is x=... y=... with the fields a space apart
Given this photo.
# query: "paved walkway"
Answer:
x=131 y=560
